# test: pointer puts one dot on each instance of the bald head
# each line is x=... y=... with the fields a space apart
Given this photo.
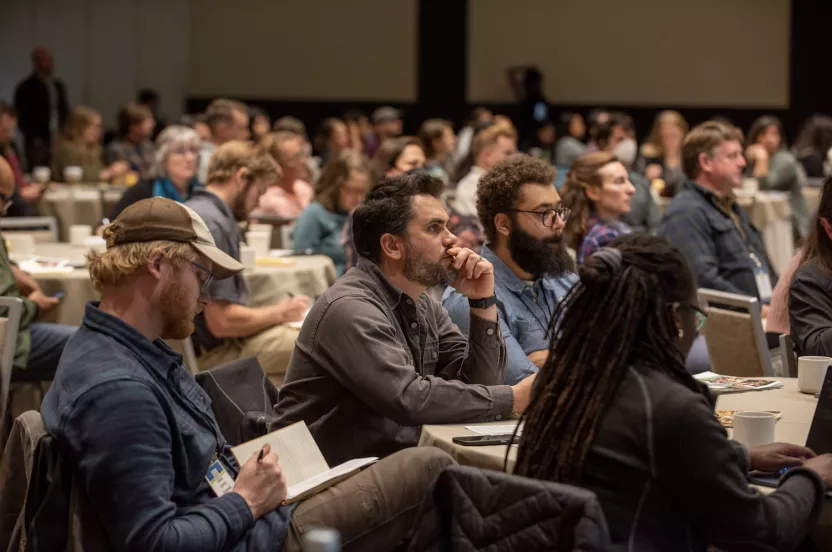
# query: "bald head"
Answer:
x=6 y=178
x=42 y=60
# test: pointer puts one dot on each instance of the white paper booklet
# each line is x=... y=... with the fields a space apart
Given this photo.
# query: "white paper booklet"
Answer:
x=305 y=468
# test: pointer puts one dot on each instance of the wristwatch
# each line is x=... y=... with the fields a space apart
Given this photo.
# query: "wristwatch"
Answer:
x=482 y=303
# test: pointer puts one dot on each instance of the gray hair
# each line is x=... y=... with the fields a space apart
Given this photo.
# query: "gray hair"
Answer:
x=171 y=137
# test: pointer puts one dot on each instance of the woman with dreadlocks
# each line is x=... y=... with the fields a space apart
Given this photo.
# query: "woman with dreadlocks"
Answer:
x=615 y=411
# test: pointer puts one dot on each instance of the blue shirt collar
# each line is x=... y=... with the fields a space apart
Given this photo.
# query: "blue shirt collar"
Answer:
x=510 y=280
x=155 y=354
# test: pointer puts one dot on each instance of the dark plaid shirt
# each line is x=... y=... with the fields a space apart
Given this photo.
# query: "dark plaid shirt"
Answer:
x=139 y=156
x=599 y=234
x=707 y=230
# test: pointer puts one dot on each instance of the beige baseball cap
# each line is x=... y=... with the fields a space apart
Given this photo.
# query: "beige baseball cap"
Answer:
x=159 y=218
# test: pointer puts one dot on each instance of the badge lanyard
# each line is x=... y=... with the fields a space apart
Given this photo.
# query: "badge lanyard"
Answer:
x=762 y=278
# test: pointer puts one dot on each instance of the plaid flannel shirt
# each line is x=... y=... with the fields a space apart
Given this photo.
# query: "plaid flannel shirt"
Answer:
x=717 y=251
x=600 y=233
x=140 y=157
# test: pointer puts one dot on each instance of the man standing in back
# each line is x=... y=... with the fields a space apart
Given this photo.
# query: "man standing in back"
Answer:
x=377 y=357
x=41 y=103
x=523 y=219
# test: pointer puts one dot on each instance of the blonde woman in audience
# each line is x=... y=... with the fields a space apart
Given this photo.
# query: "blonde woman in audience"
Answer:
x=292 y=193
x=80 y=146
x=616 y=412
x=598 y=191
x=660 y=157
x=173 y=173
x=344 y=183
x=439 y=142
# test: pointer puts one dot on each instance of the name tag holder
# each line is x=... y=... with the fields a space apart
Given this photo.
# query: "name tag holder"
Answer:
x=762 y=278
x=219 y=478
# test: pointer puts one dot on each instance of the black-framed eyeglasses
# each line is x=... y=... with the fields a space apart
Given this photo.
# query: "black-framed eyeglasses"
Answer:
x=203 y=290
x=549 y=216
x=701 y=315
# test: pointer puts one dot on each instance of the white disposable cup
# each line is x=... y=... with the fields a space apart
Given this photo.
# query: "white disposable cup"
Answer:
x=22 y=246
x=248 y=255
x=260 y=242
x=95 y=243
x=73 y=174
x=753 y=429
x=78 y=233
x=260 y=228
x=811 y=370
x=42 y=175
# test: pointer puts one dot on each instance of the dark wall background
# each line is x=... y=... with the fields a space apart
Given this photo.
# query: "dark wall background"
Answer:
x=442 y=77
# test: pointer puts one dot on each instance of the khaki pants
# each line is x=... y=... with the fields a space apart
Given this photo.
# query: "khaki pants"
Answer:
x=273 y=349
x=376 y=509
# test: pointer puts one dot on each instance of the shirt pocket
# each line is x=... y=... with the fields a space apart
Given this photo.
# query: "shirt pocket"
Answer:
x=430 y=357
x=529 y=335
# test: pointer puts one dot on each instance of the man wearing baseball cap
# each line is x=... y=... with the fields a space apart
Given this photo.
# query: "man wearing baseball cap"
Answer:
x=139 y=432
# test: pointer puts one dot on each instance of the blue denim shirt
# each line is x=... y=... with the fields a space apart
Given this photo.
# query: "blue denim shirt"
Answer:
x=523 y=321
x=141 y=435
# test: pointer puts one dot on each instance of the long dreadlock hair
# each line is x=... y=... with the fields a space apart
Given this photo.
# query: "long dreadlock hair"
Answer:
x=616 y=315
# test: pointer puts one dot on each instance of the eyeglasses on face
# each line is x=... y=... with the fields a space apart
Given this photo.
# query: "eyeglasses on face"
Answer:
x=549 y=216
x=701 y=315
x=203 y=290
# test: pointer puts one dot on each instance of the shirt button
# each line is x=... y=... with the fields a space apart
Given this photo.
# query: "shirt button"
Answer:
x=498 y=417
x=490 y=331
x=414 y=325
x=409 y=301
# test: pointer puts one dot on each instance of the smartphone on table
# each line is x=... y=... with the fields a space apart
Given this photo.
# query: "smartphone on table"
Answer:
x=483 y=440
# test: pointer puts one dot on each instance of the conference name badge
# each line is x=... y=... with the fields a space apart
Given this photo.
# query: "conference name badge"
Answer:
x=219 y=479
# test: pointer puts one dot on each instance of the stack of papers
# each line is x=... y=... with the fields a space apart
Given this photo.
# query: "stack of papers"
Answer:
x=42 y=265
x=494 y=429
x=731 y=384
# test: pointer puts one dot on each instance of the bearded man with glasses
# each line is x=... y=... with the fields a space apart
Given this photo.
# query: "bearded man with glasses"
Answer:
x=523 y=219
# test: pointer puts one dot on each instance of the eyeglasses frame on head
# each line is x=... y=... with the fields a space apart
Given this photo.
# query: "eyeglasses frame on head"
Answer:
x=701 y=315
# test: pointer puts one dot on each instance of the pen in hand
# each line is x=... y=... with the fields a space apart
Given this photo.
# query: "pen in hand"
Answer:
x=261 y=454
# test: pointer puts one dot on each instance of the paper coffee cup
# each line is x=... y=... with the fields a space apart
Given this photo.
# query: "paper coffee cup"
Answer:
x=78 y=233
x=260 y=228
x=260 y=242
x=811 y=370
x=754 y=428
x=42 y=175
x=248 y=255
x=73 y=174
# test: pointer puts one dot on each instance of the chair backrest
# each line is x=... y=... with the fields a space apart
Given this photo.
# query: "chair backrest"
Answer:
x=788 y=355
x=9 y=327
x=44 y=229
x=735 y=337
x=479 y=509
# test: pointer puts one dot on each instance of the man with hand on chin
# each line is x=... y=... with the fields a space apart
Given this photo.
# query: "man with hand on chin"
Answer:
x=377 y=357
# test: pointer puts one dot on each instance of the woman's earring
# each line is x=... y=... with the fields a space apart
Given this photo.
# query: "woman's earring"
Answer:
x=681 y=333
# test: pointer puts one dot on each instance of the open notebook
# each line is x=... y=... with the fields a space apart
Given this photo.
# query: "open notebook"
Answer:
x=305 y=468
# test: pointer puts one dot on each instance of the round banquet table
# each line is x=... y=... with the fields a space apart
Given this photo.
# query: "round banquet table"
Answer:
x=305 y=275
x=85 y=204
x=796 y=410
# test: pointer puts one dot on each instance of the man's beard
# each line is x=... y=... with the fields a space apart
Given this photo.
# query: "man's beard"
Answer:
x=425 y=272
x=177 y=313
x=539 y=257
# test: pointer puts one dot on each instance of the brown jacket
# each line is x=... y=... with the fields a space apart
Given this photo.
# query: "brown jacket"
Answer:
x=370 y=367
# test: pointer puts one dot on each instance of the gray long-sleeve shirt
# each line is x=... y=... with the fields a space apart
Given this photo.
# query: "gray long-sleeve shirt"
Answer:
x=371 y=366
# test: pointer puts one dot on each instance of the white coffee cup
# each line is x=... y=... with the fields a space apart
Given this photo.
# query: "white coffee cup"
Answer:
x=73 y=174
x=811 y=370
x=260 y=228
x=42 y=175
x=21 y=245
x=78 y=233
x=95 y=243
x=248 y=255
x=754 y=428
x=260 y=242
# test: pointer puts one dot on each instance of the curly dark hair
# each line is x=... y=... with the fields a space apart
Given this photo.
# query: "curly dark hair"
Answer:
x=498 y=189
